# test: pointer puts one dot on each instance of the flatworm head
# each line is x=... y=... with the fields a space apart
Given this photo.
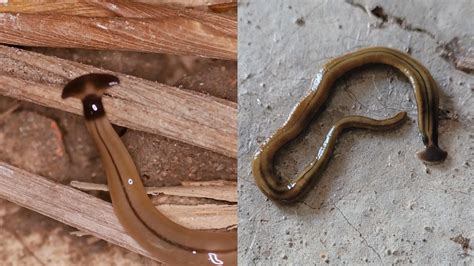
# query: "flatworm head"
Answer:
x=89 y=89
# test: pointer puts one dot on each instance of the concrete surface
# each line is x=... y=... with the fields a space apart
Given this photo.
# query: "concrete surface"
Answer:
x=376 y=203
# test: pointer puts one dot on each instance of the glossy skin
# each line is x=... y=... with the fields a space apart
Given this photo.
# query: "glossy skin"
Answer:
x=166 y=240
x=427 y=104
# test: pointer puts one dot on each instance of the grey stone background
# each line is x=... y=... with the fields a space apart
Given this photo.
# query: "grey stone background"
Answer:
x=376 y=203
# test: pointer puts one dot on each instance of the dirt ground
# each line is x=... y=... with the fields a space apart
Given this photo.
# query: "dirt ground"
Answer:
x=56 y=145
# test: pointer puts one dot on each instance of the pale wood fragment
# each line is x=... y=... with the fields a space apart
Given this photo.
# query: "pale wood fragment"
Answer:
x=222 y=193
x=95 y=216
x=216 y=183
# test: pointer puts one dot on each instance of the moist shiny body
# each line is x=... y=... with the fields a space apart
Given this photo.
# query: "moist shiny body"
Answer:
x=427 y=99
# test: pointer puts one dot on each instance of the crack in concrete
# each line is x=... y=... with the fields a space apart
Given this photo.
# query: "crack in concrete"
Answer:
x=384 y=105
x=307 y=204
x=384 y=18
x=351 y=95
x=357 y=5
x=458 y=53
x=360 y=234
x=379 y=13
x=450 y=51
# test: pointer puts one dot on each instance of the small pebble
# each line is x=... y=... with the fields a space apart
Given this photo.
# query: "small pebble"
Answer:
x=324 y=257
x=300 y=21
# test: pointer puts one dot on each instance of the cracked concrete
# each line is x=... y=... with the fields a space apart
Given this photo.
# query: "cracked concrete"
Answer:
x=375 y=203
x=379 y=12
x=360 y=234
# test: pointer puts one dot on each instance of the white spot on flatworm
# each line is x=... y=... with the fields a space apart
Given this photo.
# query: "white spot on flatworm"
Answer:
x=317 y=80
x=214 y=259
x=291 y=185
x=194 y=252
x=130 y=181
x=94 y=107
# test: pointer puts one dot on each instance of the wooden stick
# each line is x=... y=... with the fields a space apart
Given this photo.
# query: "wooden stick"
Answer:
x=203 y=216
x=9 y=111
x=44 y=4
x=190 y=117
x=165 y=30
x=187 y=3
x=128 y=9
x=223 y=193
x=73 y=8
x=217 y=183
x=95 y=216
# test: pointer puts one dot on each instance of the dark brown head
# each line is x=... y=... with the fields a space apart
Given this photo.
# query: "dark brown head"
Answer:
x=89 y=89
x=432 y=154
